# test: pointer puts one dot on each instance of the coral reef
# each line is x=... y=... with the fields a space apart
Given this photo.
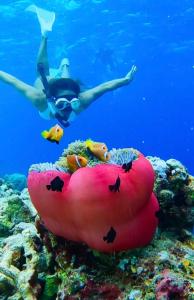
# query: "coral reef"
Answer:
x=21 y=252
x=169 y=286
x=17 y=181
x=35 y=264
x=13 y=207
x=174 y=188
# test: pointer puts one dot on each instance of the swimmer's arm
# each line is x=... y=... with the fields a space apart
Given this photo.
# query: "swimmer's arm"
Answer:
x=91 y=95
x=33 y=94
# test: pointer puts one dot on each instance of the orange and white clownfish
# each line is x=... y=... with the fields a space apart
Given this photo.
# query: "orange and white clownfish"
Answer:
x=99 y=150
x=54 y=134
x=74 y=162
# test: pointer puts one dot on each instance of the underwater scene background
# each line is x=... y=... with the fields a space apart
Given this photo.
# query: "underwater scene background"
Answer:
x=93 y=217
x=103 y=39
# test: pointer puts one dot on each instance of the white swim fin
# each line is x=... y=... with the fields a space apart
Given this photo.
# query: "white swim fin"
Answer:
x=46 y=18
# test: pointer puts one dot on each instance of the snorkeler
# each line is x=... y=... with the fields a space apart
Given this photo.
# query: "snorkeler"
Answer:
x=57 y=96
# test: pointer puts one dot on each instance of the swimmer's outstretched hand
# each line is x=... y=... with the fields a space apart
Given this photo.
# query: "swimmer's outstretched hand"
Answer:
x=131 y=73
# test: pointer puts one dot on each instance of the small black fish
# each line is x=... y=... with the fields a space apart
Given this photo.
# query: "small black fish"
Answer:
x=115 y=187
x=55 y=185
x=110 y=237
x=127 y=167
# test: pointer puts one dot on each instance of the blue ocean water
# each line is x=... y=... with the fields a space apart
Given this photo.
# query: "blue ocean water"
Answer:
x=103 y=39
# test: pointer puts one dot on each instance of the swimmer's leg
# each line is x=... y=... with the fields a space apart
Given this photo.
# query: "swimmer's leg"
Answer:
x=43 y=59
x=43 y=55
x=64 y=68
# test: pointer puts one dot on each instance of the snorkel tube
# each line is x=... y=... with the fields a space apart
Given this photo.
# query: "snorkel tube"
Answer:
x=41 y=71
x=49 y=97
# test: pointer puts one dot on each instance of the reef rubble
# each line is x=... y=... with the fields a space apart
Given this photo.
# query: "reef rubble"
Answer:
x=35 y=264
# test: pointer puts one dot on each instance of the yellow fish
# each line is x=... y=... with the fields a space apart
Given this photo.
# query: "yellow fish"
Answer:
x=99 y=150
x=74 y=162
x=54 y=134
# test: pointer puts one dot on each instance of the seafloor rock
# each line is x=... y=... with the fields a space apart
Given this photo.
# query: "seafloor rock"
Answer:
x=34 y=264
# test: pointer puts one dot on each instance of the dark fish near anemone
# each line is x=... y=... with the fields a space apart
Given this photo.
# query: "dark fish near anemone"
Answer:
x=56 y=185
x=115 y=187
x=110 y=237
x=127 y=166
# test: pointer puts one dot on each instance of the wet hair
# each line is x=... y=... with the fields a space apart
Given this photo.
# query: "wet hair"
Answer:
x=56 y=85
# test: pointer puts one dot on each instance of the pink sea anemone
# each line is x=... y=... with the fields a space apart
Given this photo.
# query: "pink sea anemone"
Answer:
x=106 y=206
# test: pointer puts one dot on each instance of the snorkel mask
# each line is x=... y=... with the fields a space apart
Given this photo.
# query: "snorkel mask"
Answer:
x=67 y=102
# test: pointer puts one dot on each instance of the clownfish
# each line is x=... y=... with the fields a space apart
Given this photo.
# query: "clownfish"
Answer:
x=99 y=150
x=54 y=134
x=74 y=162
